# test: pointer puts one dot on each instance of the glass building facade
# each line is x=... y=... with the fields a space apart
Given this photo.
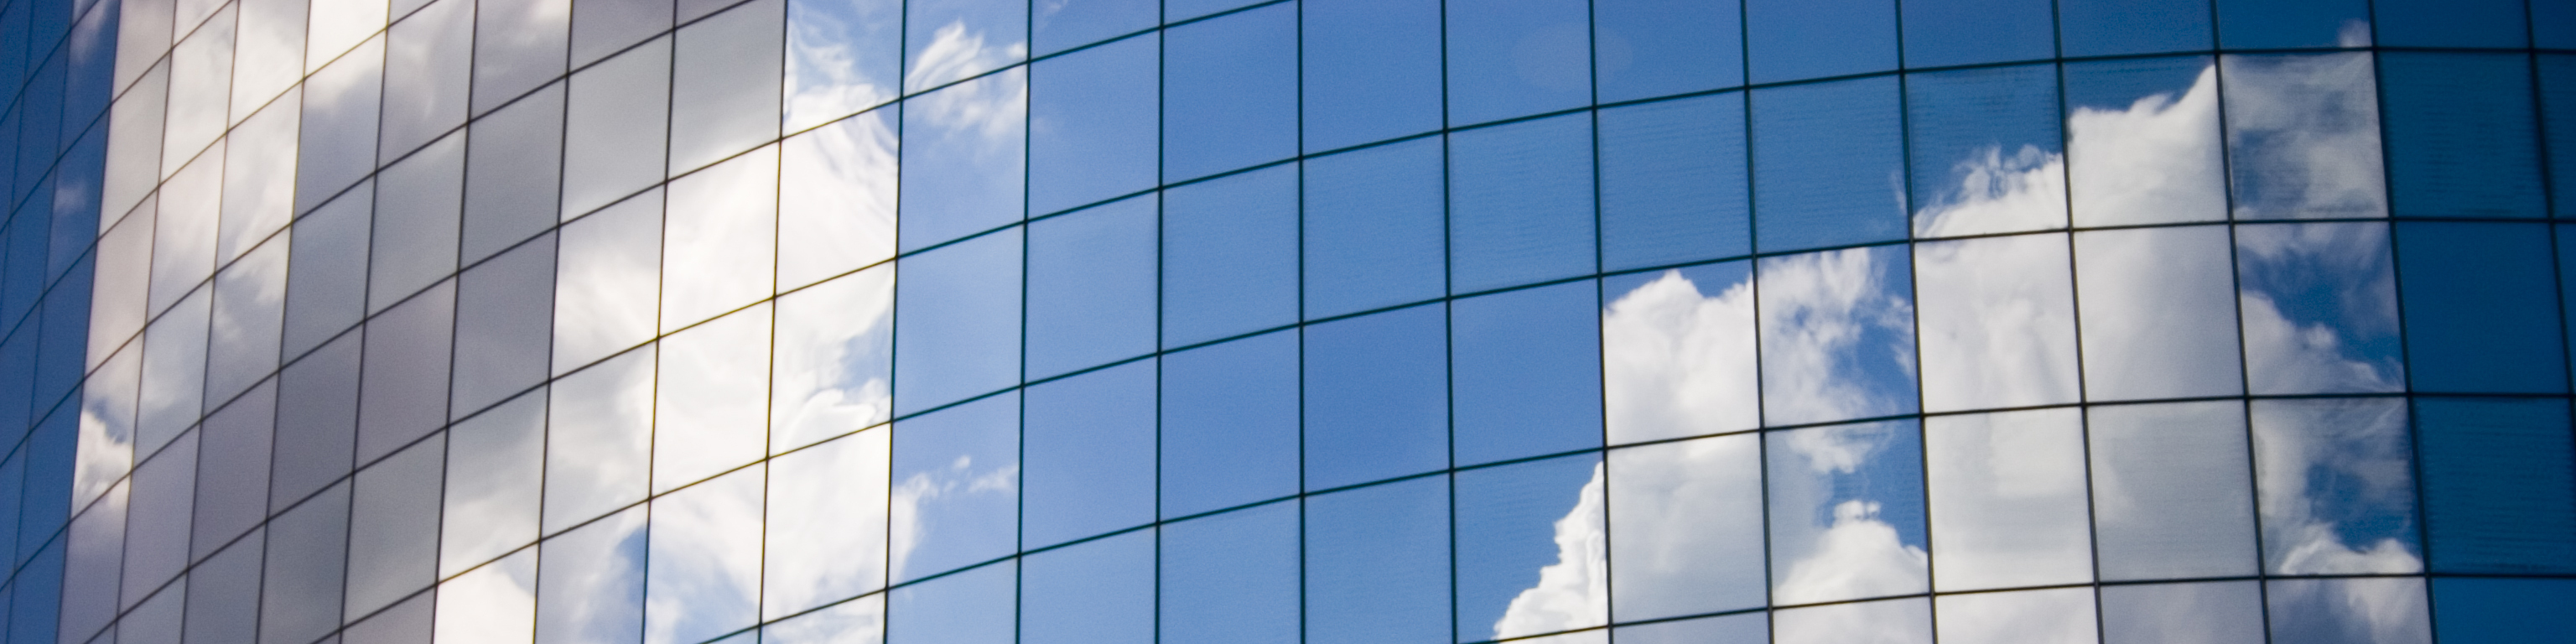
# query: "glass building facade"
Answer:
x=1324 y=321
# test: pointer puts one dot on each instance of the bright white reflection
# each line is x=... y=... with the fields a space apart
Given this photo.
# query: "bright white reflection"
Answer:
x=2172 y=497
x=599 y=439
x=704 y=567
x=259 y=179
x=1997 y=322
x=954 y=53
x=607 y=278
x=1897 y=621
x=2338 y=486
x=2008 y=500
x=174 y=372
x=183 y=239
x=2303 y=136
x=2058 y=616
x=106 y=426
x=834 y=359
x=494 y=604
x=122 y=277
x=268 y=58
x=2349 y=611
x=1837 y=336
x=827 y=523
x=2320 y=309
x=2227 y=612
x=858 y=621
x=201 y=74
x=1832 y=490
x=836 y=199
x=1586 y=637
x=718 y=241
x=1677 y=362
x=708 y=413
x=2158 y=311
x=1998 y=192
x=1686 y=527
x=495 y=469
x=1574 y=592
x=337 y=26
x=839 y=57
x=2156 y=161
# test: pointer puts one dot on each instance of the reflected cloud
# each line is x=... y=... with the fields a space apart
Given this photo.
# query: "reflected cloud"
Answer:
x=1574 y=592
x=2303 y=136
x=1837 y=336
x=2349 y=611
x=707 y=412
x=2059 y=616
x=494 y=604
x=836 y=198
x=1830 y=490
x=607 y=281
x=1997 y=322
x=954 y=53
x=106 y=443
x=1679 y=363
x=719 y=238
x=2320 y=308
x=1901 y=621
x=2155 y=161
x=599 y=439
x=704 y=577
x=2337 y=486
x=2007 y=496
x=1998 y=192
x=858 y=621
x=834 y=359
x=826 y=531
x=1686 y=527
x=839 y=54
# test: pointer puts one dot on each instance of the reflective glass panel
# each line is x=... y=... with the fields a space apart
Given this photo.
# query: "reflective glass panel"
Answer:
x=1096 y=591
x=2142 y=141
x=1672 y=182
x=2154 y=309
x=2319 y=308
x=1824 y=158
x=956 y=489
x=1377 y=564
x=2303 y=136
x=2172 y=495
x=2496 y=497
x=1644 y=48
x=2008 y=505
x=826 y=520
x=1088 y=445
x=1511 y=58
x=1521 y=203
x=1677 y=353
x=964 y=168
x=1091 y=287
x=1373 y=228
x=1229 y=424
x=1092 y=124
x=2338 y=486
x=1231 y=578
x=1372 y=70
x=1229 y=256
x=1846 y=514
x=704 y=560
x=1997 y=322
x=1529 y=555
x=1525 y=367
x=1376 y=397
x=1685 y=527
x=1230 y=88
x=1795 y=39
x=959 y=314
x=1835 y=341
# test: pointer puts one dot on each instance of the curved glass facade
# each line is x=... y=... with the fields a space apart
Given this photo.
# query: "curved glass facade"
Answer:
x=1384 y=321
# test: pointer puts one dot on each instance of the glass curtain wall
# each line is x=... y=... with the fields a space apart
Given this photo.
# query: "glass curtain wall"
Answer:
x=1395 y=321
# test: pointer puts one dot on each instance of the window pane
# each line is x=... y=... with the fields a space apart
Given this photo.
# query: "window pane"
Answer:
x=1846 y=514
x=956 y=488
x=2477 y=23
x=1521 y=205
x=1672 y=182
x=1374 y=228
x=1093 y=592
x=2056 y=615
x=2226 y=612
x=833 y=359
x=958 y=322
x=2142 y=141
x=1372 y=70
x=826 y=534
x=719 y=239
x=1231 y=578
x=2320 y=308
x=1686 y=528
x=495 y=473
x=1795 y=39
x=2497 y=496
x=2008 y=504
x=512 y=172
x=2499 y=610
x=2460 y=137
x=607 y=281
x=1229 y=256
x=1088 y=448
x=1997 y=322
x=1091 y=286
x=517 y=47
x=1066 y=25
x=1644 y=48
x=708 y=411
x=418 y=202
x=704 y=558
x=504 y=310
x=1229 y=424
x=836 y=198
x=1985 y=151
x=1835 y=336
x=428 y=69
x=1959 y=32
x=615 y=126
x=1376 y=391
x=591 y=588
x=1377 y=564
x=1512 y=58
x=1092 y=129
x=393 y=527
x=724 y=84
x=2245 y=24
x=2111 y=27
x=2155 y=308
x=1231 y=98
x=496 y=603
x=599 y=438
x=964 y=159
x=2303 y=136
x=1528 y=555
x=1823 y=158
x=1526 y=369
x=1895 y=621
x=973 y=607
x=2338 y=489
x=2319 y=611
x=842 y=56
x=953 y=39
x=2478 y=316
x=2172 y=495
x=1677 y=353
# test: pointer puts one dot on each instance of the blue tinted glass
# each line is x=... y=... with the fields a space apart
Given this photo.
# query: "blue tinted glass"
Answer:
x=1089 y=446
x=2252 y=24
x=2502 y=611
x=964 y=158
x=1372 y=70
x=1179 y=10
x=2553 y=24
x=2319 y=307
x=1230 y=424
x=2558 y=122
x=1961 y=32
x=955 y=472
x=1836 y=335
x=1512 y=58
x=1230 y=256
x=2498 y=496
x=1231 y=578
x=1513 y=521
x=2110 y=27
x=1794 y=39
x=972 y=607
x=1646 y=48
x=1091 y=287
x=1526 y=368
x=1230 y=92
x=1092 y=124
x=2450 y=23
x=1063 y=25
x=958 y=322
x=2460 y=139
x=1987 y=150
x=2334 y=477
x=1672 y=182
x=1373 y=228
x=1377 y=564
x=1522 y=203
x=2479 y=315
x=1827 y=486
x=1377 y=399
x=1100 y=592
x=946 y=40
x=1825 y=158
